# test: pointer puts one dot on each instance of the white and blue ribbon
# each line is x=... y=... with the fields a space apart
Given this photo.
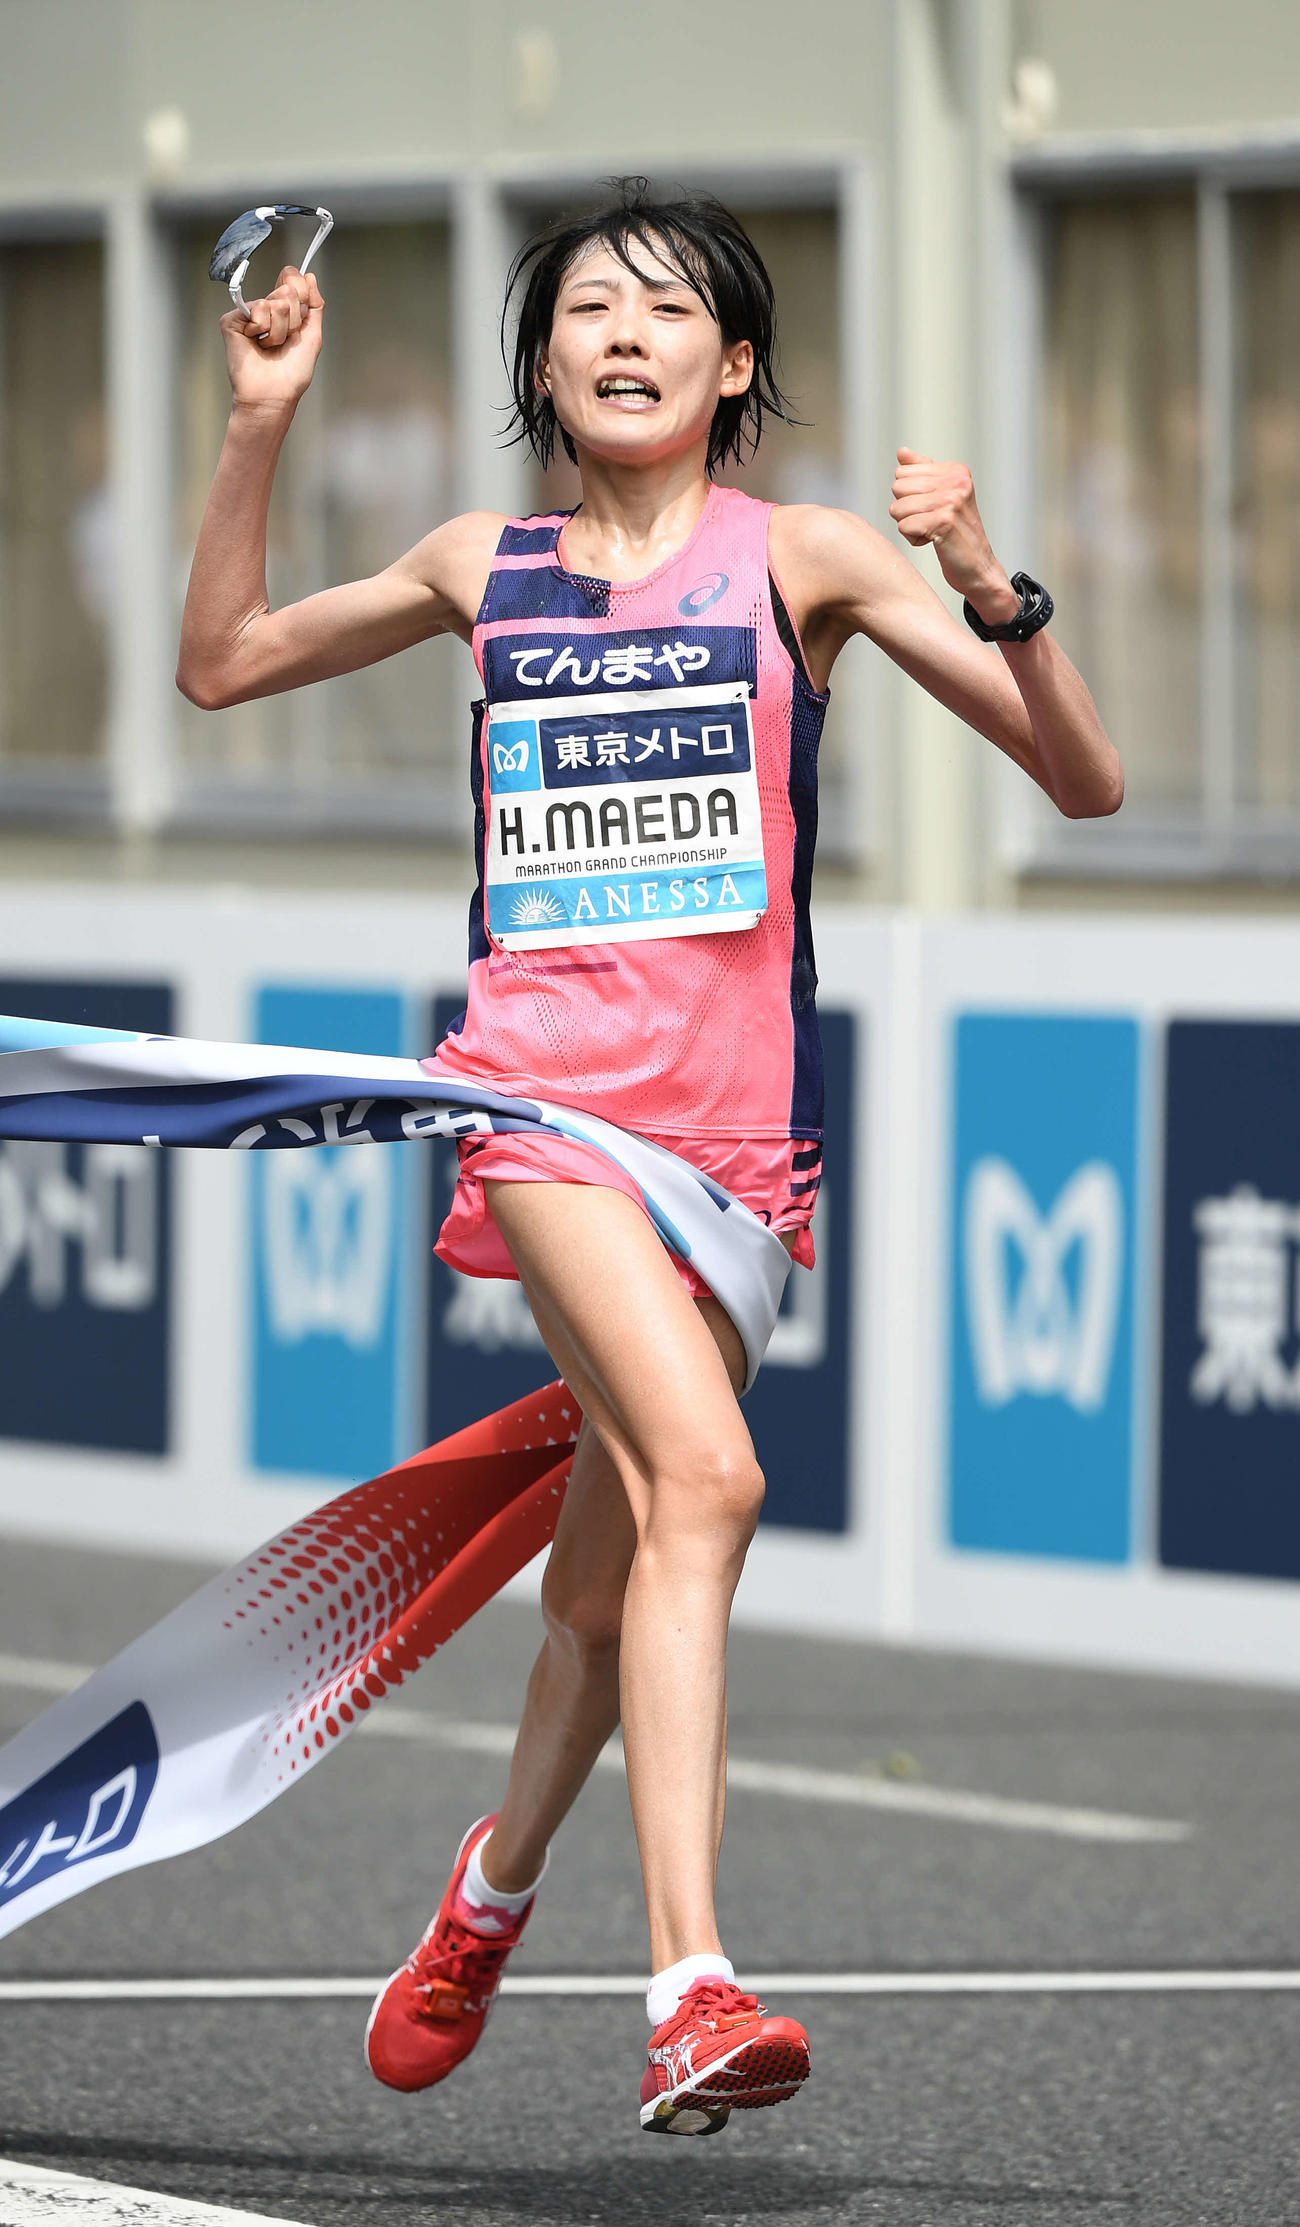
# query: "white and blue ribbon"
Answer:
x=247 y=1685
x=243 y=1688
x=72 y=1084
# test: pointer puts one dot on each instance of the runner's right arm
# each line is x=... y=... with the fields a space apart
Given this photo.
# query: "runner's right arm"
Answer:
x=233 y=645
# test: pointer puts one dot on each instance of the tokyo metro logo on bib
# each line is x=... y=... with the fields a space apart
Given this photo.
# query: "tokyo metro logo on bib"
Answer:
x=624 y=816
x=515 y=761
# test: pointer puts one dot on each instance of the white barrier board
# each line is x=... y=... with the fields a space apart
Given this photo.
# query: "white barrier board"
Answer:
x=1041 y=1394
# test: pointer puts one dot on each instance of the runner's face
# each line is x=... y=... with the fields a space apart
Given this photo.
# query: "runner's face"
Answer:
x=636 y=365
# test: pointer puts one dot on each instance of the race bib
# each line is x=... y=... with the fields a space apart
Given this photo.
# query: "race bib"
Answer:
x=612 y=818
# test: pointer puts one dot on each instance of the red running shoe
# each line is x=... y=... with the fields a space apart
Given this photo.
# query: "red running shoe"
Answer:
x=426 y=2019
x=719 y=2052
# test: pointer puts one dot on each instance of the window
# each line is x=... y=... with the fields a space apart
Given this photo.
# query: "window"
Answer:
x=1268 y=500
x=1121 y=477
x=372 y=463
x=801 y=463
x=1170 y=482
x=57 y=559
x=365 y=474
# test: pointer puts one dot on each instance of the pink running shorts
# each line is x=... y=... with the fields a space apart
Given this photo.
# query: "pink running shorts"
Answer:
x=759 y=1173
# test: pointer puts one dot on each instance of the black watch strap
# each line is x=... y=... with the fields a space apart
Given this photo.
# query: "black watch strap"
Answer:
x=1036 y=608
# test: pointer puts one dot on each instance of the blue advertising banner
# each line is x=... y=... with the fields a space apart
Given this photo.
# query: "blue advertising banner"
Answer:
x=798 y=1411
x=327 y=1241
x=1230 y=1390
x=85 y=1252
x=484 y=1348
x=1044 y=1173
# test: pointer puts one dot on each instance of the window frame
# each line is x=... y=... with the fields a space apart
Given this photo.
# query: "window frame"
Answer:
x=1217 y=838
x=64 y=791
x=143 y=789
x=370 y=807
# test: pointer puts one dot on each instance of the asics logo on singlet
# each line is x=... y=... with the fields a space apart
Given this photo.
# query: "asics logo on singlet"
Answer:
x=704 y=594
x=510 y=757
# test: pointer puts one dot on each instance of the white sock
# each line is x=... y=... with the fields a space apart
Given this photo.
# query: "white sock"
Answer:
x=480 y=1894
x=666 y=1989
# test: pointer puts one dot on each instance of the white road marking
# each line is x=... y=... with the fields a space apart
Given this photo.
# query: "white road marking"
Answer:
x=907 y=1798
x=33 y=2196
x=793 y=1782
x=1191 y=1981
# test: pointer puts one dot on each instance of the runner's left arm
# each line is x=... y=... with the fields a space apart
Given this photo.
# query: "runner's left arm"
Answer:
x=846 y=579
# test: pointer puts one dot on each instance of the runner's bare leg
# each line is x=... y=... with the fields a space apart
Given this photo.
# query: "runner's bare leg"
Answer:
x=571 y=1707
x=654 y=1386
x=572 y=1704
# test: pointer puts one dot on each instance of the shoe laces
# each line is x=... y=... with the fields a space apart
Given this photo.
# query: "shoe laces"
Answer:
x=718 y=1999
x=457 y=1957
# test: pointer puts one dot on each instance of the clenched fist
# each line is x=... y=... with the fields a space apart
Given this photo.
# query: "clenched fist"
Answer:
x=271 y=354
x=935 y=502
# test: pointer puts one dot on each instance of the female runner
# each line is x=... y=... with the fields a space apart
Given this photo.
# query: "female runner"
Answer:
x=655 y=668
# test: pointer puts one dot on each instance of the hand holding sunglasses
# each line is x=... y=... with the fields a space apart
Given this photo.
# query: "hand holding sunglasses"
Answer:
x=234 y=250
x=272 y=365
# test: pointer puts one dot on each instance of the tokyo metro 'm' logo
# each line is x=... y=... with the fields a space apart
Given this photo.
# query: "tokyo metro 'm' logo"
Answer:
x=328 y=1235
x=1046 y=1330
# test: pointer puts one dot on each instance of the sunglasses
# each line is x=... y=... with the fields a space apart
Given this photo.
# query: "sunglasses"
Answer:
x=233 y=251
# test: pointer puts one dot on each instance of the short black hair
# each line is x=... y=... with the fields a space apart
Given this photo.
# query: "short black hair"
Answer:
x=717 y=259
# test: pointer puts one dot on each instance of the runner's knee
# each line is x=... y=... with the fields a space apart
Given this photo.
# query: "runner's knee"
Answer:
x=714 y=1498
x=585 y=1625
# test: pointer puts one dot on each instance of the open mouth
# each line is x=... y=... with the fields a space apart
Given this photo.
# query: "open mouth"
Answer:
x=626 y=387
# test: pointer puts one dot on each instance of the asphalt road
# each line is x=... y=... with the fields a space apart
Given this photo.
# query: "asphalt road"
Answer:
x=940 y=2111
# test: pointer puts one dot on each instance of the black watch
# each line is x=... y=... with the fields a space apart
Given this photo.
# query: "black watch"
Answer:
x=1036 y=608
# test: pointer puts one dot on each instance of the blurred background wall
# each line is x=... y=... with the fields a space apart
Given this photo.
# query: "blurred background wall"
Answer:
x=1061 y=242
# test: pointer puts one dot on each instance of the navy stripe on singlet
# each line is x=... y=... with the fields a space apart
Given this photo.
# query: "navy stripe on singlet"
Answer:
x=807 y=1095
x=514 y=595
x=478 y=943
x=785 y=629
x=529 y=541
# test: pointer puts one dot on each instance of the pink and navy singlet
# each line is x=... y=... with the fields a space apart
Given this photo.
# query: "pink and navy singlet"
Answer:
x=644 y=770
